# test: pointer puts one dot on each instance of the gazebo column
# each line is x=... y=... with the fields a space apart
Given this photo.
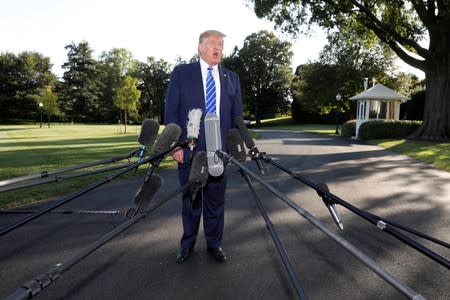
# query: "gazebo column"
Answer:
x=366 y=116
x=397 y=110
x=388 y=111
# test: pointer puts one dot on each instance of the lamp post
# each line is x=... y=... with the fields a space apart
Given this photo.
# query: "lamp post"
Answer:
x=41 y=106
x=338 y=99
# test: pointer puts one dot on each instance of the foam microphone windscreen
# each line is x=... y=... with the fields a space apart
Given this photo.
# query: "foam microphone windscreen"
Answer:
x=198 y=174
x=245 y=135
x=149 y=131
x=236 y=145
x=213 y=141
x=147 y=192
x=193 y=124
x=168 y=136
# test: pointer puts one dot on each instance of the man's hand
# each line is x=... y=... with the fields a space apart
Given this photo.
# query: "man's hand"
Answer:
x=178 y=154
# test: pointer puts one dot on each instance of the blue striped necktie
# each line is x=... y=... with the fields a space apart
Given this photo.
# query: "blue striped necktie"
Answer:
x=210 y=92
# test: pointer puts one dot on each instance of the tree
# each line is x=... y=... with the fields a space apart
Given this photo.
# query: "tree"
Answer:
x=21 y=77
x=154 y=80
x=126 y=97
x=82 y=86
x=116 y=64
x=49 y=102
x=263 y=64
x=399 y=24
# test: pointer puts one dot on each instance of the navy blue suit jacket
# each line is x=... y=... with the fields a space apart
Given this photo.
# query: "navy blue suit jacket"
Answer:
x=185 y=92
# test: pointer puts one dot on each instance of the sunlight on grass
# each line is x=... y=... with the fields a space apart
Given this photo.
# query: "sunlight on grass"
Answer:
x=28 y=149
x=287 y=123
x=437 y=155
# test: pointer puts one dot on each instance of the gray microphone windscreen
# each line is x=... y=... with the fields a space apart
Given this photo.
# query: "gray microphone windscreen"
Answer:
x=213 y=143
x=147 y=192
x=244 y=133
x=149 y=131
x=168 y=136
x=236 y=145
x=198 y=174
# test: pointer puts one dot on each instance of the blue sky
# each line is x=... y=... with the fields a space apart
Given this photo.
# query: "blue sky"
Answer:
x=160 y=28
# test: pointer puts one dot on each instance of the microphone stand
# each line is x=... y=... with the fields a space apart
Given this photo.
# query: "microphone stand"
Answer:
x=37 y=284
x=380 y=223
x=45 y=174
x=60 y=178
x=405 y=290
x=88 y=212
x=40 y=212
x=281 y=251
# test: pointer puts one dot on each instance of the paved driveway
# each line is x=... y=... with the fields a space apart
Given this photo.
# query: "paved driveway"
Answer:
x=140 y=262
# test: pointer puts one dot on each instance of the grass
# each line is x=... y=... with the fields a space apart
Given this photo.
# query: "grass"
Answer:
x=28 y=149
x=435 y=154
x=286 y=123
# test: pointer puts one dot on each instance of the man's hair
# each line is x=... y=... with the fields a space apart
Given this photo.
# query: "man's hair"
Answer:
x=208 y=33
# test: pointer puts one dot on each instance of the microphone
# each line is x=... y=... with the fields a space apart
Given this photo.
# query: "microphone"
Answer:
x=168 y=137
x=147 y=136
x=252 y=149
x=236 y=145
x=147 y=192
x=193 y=126
x=213 y=143
x=329 y=204
x=198 y=174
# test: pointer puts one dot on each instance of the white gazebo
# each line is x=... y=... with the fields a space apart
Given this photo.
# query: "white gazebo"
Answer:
x=378 y=102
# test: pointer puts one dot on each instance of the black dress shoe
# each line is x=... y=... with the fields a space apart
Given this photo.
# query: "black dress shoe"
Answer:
x=217 y=253
x=183 y=254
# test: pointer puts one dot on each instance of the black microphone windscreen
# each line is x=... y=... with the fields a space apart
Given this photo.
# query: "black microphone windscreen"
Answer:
x=324 y=187
x=236 y=145
x=149 y=131
x=245 y=135
x=198 y=174
x=147 y=192
x=168 y=136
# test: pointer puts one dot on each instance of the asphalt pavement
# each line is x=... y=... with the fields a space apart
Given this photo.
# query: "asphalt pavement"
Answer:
x=140 y=262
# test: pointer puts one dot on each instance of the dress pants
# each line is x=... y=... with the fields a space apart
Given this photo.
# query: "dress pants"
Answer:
x=211 y=201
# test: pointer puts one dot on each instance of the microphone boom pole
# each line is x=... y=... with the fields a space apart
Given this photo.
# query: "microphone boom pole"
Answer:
x=37 y=284
x=90 y=187
x=60 y=178
x=405 y=290
x=281 y=251
x=377 y=221
x=45 y=174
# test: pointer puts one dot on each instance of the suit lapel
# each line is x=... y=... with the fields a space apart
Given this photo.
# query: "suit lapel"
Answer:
x=198 y=93
x=223 y=88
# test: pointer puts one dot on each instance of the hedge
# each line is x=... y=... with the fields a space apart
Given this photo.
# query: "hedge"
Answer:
x=387 y=129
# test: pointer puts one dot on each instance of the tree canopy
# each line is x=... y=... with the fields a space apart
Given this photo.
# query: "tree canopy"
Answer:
x=399 y=24
x=263 y=64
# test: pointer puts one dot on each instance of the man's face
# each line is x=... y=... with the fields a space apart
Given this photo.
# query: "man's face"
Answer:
x=211 y=49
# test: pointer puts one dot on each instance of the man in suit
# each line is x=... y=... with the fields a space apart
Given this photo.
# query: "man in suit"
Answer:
x=187 y=91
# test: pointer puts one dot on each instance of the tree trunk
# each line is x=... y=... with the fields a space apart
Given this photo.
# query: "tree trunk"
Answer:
x=125 y=120
x=436 y=118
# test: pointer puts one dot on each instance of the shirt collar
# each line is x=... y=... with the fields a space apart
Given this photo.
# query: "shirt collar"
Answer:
x=205 y=66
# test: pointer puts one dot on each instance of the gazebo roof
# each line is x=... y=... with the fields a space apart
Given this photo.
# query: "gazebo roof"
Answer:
x=379 y=92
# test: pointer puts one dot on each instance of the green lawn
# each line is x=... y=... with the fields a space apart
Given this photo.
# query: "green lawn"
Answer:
x=28 y=149
x=286 y=123
x=435 y=154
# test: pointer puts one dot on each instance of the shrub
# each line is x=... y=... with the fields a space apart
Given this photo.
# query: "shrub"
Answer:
x=385 y=129
x=349 y=128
